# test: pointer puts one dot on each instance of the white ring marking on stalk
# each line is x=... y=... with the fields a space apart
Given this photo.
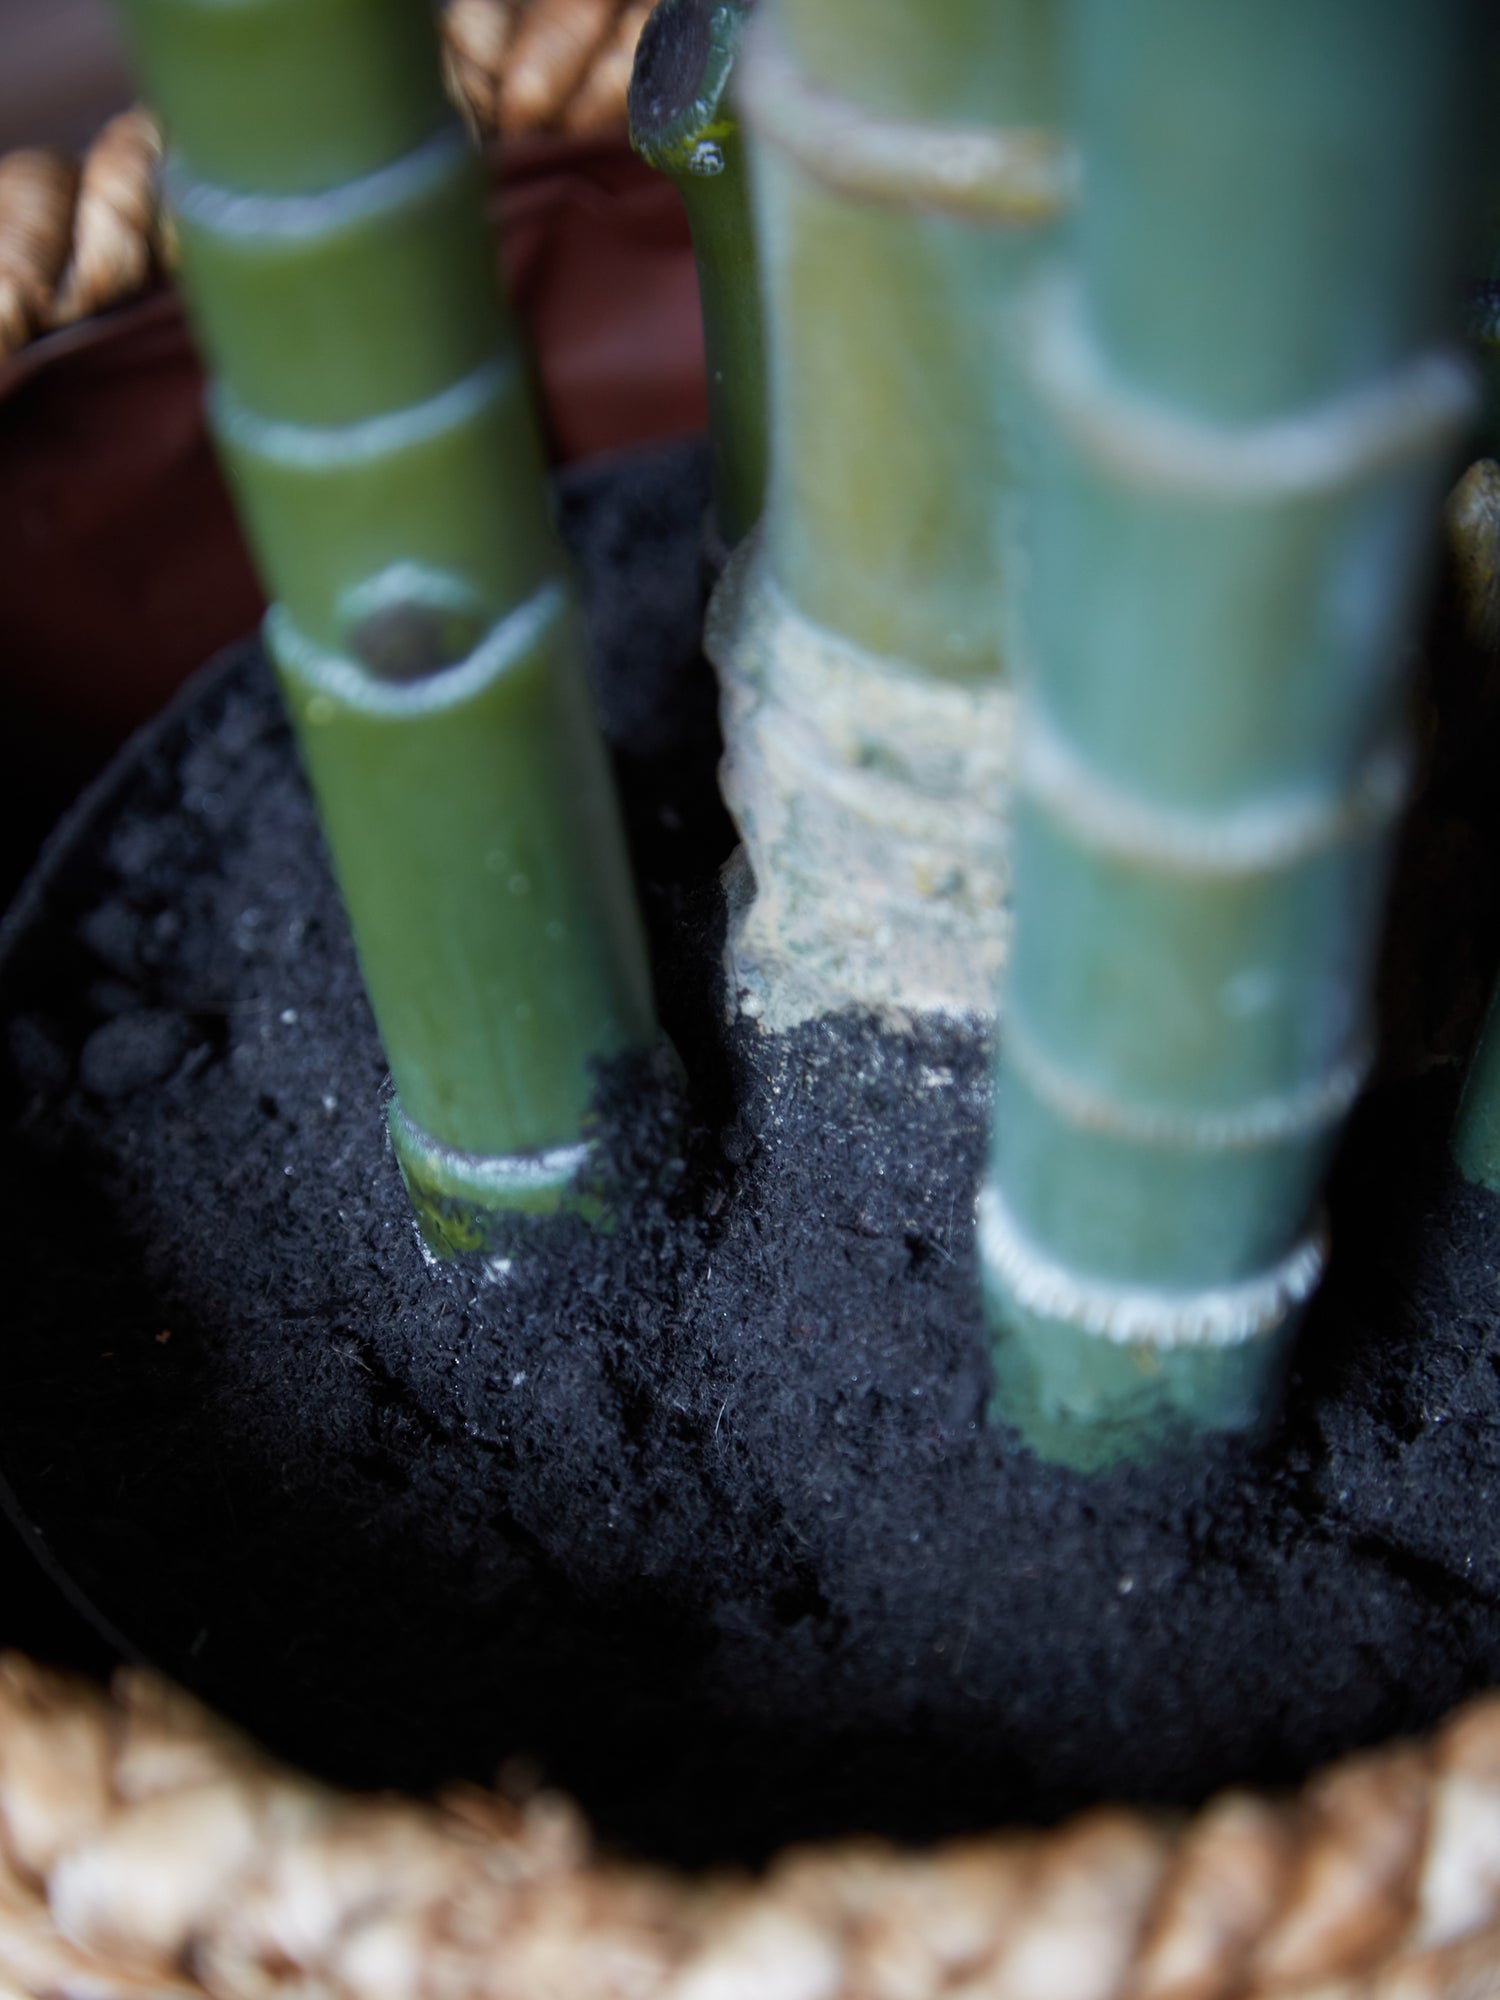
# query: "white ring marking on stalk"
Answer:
x=1267 y=1121
x=326 y=447
x=1020 y=175
x=1145 y=1315
x=498 y=1174
x=1416 y=408
x=304 y=218
x=1273 y=834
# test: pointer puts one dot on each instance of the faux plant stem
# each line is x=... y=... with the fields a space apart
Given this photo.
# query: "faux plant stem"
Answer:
x=910 y=160
x=1248 y=408
x=908 y=164
x=370 y=405
x=682 y=122
x=1476 y=1136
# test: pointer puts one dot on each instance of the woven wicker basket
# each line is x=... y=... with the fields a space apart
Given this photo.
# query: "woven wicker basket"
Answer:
x=146 y=1849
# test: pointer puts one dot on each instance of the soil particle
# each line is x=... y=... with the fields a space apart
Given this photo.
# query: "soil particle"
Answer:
x=701 y=1515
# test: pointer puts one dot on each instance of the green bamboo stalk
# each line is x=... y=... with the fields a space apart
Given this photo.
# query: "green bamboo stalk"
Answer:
x=907 y=166
x=1476 y=1135
x=683 y=123
x=370 y=405
x=1248 y=410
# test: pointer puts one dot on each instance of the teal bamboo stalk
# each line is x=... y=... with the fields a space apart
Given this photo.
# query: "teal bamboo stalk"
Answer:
x=1248 y=406
x=908 y=165
x=683 y=123
x=370 y=405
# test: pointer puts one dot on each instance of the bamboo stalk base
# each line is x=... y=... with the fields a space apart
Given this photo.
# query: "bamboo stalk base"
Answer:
x=1094 y=1374
x=462 y=1199
x=868 y=798
x=1082 y=1401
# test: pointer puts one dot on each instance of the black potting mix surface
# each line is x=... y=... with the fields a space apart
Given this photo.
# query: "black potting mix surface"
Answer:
x=701 y=1519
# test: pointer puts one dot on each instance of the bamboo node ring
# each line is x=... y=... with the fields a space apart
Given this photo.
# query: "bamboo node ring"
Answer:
x=504 y=1174
x=1276 y=833
x=1300 y=1113
x=1418 y=407
x=1002 y=175
x=320 y=446
x=303 y=217
x=1216 y=1316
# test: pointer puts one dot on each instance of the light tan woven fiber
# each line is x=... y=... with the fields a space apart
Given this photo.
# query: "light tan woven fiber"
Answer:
x=146 y=1849
x=114 y=224
x=548 y=57
x=476 y=35
x=36 y=210
x=599 y=99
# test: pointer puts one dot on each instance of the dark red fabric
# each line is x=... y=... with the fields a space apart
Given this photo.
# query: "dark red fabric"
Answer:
x=120 y=564
x=599 y=262
x=121 y=568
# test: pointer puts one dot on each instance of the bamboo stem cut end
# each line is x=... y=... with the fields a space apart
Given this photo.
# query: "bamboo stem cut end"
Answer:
x=683 y=64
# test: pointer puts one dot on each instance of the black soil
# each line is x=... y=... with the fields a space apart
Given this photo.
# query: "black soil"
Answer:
x=701 y=1519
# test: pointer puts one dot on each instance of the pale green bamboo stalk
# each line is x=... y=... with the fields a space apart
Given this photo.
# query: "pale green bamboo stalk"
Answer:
x=683 y=123
x=1249 y=406
x=907 y=165
x=370 y=404
x=890 y=250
